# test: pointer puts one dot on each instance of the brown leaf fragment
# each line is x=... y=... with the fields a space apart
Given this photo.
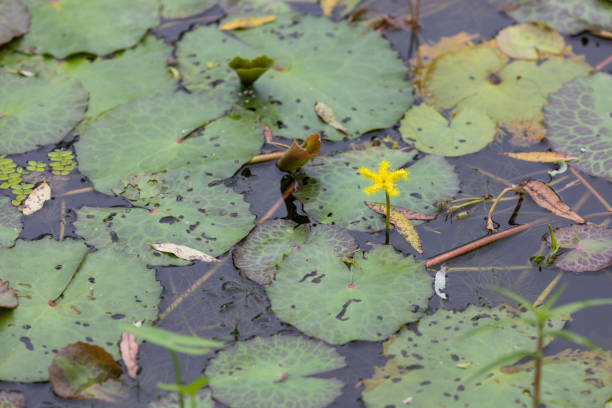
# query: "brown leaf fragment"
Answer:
x=542 y=157
x=525 y=133
x=129 y=353
x=297 y=155
x=8 y=298
x=546 y=198
x=409 y=214
x=183 y=252
x=400 y=218
x=328 y=116
x=36 y=199
x=267 y=132
x=328 y=6
x=12 y=399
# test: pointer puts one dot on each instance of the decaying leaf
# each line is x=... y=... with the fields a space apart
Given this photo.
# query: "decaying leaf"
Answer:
x=328 y=116
x=409 y=214
x=129 y=353
x=12 y=399
x=542 y=157
x=545 y=197
x=248 y=22
x=531 y=40
x=297 y=155
x=525 y=133
x=8 y=298
x=86 y=371
x=400 y=217
x=440 y=283
x=36 y=199
x=183 y=252
x=328 y=6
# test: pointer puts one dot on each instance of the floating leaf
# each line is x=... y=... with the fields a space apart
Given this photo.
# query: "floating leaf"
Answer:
x=468 y=131
x=332 y=190
x=129 y=353
x=590 y=247
x=579 y=123
x=36 y=199
x=405 y=212
x=8 y=299
x=530 y=41
x=303 y=73
x=249 y=70
x=318 y=294
x=258 y=7
x=38 y=111
x=542 y=157
x=203 y=399
x=434 y=364
x=275 y=371
x=184 y=8
x=328 y=116
x=546 y=198
x=108 y=288
x=247 y=22
x=183 y=252
x=96 y=26
x=12 y=399
x=10 y=222
x=269 y=243
x=14 y=20
x=86 y=371
x=152 y=134
x=208 y=219
x=296 y=156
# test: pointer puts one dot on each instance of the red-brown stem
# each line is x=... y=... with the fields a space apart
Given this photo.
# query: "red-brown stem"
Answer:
x=278 y=203
x=260 y=158
x=603 y=63
x=590 y=188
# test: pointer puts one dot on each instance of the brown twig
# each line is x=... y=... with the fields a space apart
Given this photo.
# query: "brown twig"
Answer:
x=590 y=188
x=278 y=203
x=603 y=63
x=494 y=177
x=77 y=191
x=260 y=158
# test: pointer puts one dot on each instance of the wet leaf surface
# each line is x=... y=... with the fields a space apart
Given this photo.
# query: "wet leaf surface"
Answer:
x=14 y=20
x=590 y=247
x=275 y=371
x=10 y=222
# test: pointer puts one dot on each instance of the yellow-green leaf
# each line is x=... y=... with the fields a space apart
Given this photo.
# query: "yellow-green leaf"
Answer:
x=541 y=157
x=248 y=22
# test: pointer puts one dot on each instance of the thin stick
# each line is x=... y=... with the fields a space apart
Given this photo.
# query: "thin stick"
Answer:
x=582 y=200
x=260 y=158
x=278 y=203
x=547 y=290
x=278 y=144
x=486 y=268
x=77 y=191
x=494 y=177
x=490 y=226
x=603 y=63
x=590 y=188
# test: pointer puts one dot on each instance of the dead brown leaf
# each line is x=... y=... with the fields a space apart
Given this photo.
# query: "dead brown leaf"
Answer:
x=545 y=197
x=129 y=353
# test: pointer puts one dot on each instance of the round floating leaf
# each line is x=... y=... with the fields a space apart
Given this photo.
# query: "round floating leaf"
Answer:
x=203 y=400
x=332 y=191
x=434 y=365
x=38 y=111
x=64 y=27
x=317 y=293
x=181 y=209
x=351 y=69
x=14 y=20
x=10 y=222
x=590 y=247
x=530 y=40
x=579 y=117
x=469 y=131
x=153 y=134
x=184 y=8
x=567 y=16
x=269 y=243
x=275 y=372
x=98 y=291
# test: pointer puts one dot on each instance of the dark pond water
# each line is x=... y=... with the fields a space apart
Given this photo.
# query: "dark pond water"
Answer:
x=228 y=306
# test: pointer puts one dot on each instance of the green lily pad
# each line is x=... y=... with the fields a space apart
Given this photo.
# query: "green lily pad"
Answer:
x=12 y=399
x=332 y=191
x=184 y=8
x=269 y=243
x=10 y=222
x=318 y=294
x=590 y=247
x=203 y=400
x=152 y=134
x=275 y=372
x=38 y=111
x=65 y=27
x=481 y=77
x=434 y=366
x=14 y=20
x=567 y=16
x=180 y=208
x=578 y=117
x=108 y=288
x=468 y=131
x=530 y=40
x=351 y=68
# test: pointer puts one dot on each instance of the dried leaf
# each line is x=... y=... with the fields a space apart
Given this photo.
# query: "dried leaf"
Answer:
x=12 y=399
x=328 y=6
x=248 y=22
x=36 y=199
x=526 y=133
x=440 y=283
x=411 y=215
x=8 y=298
x=542 y=157
x=296 y=156
x=328 y=116
x=400 y=218
x=183 y=252
x=545 y=197
x=129 y=353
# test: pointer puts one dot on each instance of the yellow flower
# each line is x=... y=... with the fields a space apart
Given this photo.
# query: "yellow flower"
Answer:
x=383 y=180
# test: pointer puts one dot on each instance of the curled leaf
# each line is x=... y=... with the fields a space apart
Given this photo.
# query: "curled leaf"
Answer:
x=542 y=157
x=183 y=252
x=249 y=70
x=297 y=155
x=129 y=353
x=328 y=116
x=546 y=198
x=8 y=298
x=36 y=199
x=248 y=22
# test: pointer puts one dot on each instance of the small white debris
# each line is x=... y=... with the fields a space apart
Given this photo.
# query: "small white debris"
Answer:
x=36 y=199
x=440 y=283
x=184 y=252
x=407 y=401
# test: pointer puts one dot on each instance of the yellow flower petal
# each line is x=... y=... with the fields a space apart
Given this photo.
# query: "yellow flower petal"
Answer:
x=383 y=180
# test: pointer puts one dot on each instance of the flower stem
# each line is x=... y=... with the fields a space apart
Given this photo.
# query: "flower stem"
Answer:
x=387 y=218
